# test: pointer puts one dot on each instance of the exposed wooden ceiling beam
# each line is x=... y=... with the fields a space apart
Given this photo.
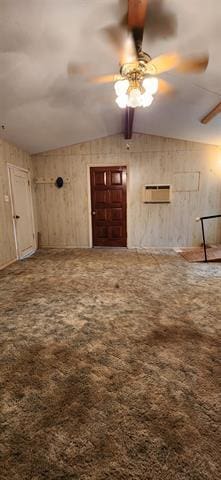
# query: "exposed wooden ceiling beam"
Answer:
x=215 y=111
x=136 y=13
x=136 y=20
x=129 y=119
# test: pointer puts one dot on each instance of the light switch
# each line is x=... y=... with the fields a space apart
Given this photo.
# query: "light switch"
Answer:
x=6 y=198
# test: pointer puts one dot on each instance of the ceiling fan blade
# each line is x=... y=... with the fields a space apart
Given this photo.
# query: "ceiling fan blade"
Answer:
x=215 y=111
x=123 y=42
x=165 y=88
x=163 y=63
x=105 y=79
x=160 y=22
x=193 y=64
x=127 y=37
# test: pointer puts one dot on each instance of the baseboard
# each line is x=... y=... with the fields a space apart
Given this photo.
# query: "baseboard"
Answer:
x=180 y=249
x=175 y=248
x=152 y=248
x=59 y=247
x=8 y=263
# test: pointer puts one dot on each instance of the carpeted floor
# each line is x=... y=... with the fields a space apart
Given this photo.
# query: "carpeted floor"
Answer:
x=109 y=367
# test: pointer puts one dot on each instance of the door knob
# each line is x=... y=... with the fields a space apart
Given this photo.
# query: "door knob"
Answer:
x=93 y=213
x=16 y=216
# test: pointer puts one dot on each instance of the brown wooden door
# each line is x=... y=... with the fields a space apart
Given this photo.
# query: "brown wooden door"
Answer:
x=109 y=203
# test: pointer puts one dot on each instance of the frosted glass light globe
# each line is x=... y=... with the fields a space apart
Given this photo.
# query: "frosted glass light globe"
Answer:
x=121 y=87
x=146 y=99
x=122 y=101
x=151 y=85
x=135 y=99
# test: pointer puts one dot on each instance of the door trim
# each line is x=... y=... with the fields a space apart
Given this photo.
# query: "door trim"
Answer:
x=90 y=233
x=10 y=168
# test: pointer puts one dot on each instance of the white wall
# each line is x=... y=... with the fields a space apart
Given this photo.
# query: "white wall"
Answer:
x=8 y=154
x=63 y=215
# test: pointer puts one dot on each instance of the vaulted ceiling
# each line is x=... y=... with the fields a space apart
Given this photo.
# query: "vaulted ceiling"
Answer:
x=42 y=108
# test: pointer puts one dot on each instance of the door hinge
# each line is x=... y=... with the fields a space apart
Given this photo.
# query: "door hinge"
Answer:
x=29 y=183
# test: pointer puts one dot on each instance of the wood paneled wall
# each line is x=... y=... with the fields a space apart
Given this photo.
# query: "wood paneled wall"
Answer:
x=8 y=154
x=63 y=215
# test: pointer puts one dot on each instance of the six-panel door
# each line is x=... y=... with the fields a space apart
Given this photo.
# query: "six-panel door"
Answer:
x=108 y=201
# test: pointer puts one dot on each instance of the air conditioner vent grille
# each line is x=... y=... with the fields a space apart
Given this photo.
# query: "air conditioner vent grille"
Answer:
x=156 y=193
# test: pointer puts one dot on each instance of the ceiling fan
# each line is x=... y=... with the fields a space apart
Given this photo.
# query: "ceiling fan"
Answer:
x=137 y=81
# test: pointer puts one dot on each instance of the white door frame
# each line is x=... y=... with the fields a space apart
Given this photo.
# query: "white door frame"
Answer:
x=11 y=167
x=117 y=164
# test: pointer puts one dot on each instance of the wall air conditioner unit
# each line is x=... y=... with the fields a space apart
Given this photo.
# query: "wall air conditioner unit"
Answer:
x=156 y=194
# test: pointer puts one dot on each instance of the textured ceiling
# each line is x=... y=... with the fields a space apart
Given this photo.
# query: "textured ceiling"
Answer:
x=42 y=108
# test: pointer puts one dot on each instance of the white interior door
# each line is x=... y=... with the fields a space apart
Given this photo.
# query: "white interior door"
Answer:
x=22 y=212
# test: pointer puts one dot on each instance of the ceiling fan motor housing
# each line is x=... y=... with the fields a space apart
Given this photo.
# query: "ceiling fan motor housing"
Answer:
x=135 y=71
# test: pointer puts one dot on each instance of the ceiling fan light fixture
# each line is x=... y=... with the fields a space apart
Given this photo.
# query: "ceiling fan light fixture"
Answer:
x=147 y=99
x=135 y=98
x=122 y=100
x=151 y=85
x=121 y=87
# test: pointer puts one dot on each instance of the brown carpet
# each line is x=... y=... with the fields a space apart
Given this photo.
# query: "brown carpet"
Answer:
x=109 y=367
